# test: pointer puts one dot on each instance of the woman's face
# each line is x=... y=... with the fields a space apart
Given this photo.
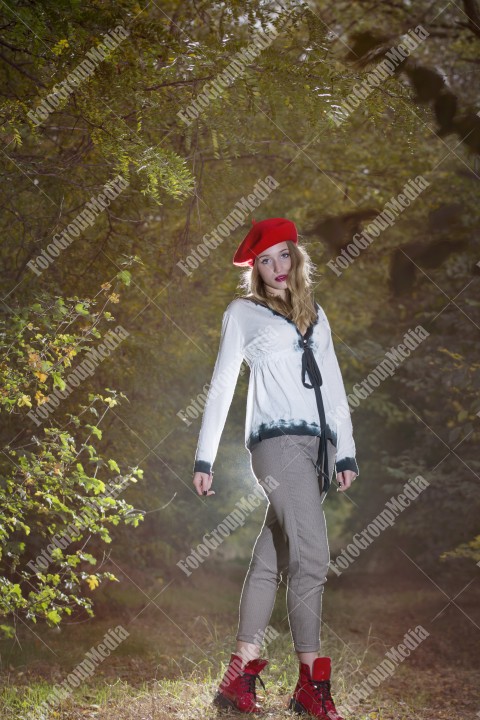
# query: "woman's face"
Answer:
x=274 y=264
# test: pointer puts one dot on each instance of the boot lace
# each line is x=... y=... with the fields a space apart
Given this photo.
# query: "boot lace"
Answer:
x=247 y=683
x=324 y=694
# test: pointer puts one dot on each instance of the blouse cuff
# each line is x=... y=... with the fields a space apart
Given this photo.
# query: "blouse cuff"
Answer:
x=348 y=463
x=202 y=466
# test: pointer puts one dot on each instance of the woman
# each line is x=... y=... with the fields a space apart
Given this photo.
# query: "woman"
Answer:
x=297 y=426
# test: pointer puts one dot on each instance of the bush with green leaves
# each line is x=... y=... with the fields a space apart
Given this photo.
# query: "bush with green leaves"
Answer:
x=60 y=494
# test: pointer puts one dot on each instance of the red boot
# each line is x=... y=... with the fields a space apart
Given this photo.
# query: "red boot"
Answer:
x=312 y=694
x=237 y=689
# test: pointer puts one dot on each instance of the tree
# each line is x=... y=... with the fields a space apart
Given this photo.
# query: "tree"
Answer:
x=187 y=107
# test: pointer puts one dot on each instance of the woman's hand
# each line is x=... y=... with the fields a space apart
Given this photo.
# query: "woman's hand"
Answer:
x=203 y=483
x=345 y=479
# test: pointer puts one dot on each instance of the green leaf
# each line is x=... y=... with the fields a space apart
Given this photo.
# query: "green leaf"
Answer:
x=81 y=309
x=58 y=381
x=124 y=276
x=8 y=631
x=53 y=617
x=95 y=431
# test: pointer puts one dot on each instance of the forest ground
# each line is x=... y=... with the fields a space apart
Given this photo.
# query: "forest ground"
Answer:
x=172 y=661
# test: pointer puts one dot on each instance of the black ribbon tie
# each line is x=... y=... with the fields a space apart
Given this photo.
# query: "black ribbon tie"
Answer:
x=309 y=365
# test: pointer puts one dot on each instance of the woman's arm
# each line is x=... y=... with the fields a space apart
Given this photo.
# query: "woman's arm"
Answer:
x=332 y=378
x=220 y=393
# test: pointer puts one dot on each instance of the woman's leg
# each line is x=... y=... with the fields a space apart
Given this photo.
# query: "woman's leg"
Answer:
x=237 y=689
x=247 y=651
x=301 y=513
x=269 y=558
x=293 y=536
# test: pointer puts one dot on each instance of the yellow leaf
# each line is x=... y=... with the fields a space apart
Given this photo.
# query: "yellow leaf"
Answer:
x=60 y=46
x=114 y=298
x=33 y=359
x=40 y=375
x=93 y=582
x=455 y=356
x=40 y=397
x=24 y=400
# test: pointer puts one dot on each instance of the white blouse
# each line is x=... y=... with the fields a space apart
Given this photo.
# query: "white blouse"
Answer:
x=278 y=401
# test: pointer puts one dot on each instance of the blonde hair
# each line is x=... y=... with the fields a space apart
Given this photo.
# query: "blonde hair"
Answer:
x=299 y=304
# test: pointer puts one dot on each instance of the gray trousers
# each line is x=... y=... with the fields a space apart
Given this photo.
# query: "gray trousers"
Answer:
x=293 y=540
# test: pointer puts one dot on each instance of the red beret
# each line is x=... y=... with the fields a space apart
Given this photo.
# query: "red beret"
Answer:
x=263 y=235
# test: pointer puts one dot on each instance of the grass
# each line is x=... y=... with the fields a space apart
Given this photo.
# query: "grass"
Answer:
x=189 y=696
x=174 y=658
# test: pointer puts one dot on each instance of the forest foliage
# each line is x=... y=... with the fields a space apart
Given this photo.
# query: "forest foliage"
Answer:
x=115 y=450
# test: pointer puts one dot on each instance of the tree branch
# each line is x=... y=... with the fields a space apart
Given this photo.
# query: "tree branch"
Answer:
x=21 y=70
x=473 y=14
